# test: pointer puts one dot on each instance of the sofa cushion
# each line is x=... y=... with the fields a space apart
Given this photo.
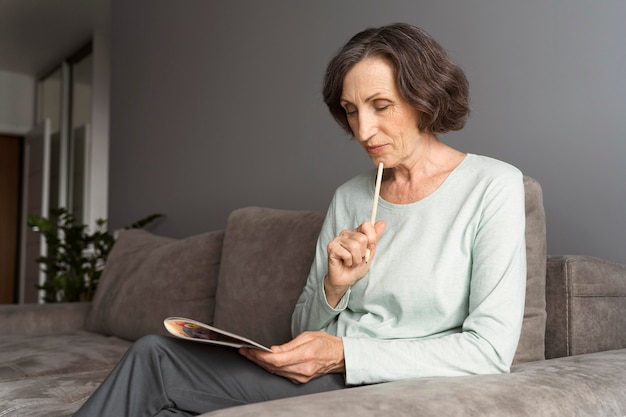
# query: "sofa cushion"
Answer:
x=531 y=344
x=590 y=385
x=49 y=396
x=267 y=255
x=148 y=278
x=28 y=356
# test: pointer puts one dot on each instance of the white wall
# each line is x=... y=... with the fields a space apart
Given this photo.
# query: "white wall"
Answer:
x=217 y=105
x=17 y=103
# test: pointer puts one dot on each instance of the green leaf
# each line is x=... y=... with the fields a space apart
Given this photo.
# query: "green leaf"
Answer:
x=75 y=258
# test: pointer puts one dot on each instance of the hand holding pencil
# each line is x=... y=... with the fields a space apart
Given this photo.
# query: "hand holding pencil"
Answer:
x=350 y=253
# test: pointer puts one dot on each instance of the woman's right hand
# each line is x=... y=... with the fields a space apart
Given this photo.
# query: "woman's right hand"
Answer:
x=347 y=258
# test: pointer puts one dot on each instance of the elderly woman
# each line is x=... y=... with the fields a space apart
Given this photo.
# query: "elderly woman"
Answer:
x=436 y=288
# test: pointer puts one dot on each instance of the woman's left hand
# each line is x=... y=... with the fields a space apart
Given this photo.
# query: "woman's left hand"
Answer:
x=308 y=356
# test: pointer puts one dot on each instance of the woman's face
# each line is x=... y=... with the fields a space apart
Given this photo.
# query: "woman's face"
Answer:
x=384 y=124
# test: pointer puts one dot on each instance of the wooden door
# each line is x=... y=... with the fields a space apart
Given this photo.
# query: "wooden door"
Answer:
x=10 y=157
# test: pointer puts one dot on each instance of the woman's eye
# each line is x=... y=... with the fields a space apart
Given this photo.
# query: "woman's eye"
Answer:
x=350 y=112
x=381 y=106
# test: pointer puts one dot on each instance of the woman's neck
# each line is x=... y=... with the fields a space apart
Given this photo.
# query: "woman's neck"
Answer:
x=420 y=176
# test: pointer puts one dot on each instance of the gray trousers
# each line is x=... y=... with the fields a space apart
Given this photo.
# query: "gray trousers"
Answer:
x=164 y=376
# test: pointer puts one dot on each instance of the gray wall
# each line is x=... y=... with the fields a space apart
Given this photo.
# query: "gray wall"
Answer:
x=217 y=105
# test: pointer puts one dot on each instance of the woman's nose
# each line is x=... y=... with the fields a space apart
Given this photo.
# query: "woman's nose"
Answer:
x=367 y=126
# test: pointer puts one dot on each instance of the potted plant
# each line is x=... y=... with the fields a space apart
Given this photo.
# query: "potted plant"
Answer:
x=75 y=258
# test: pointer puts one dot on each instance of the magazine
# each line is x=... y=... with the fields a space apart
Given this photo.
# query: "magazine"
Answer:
x=200 y=332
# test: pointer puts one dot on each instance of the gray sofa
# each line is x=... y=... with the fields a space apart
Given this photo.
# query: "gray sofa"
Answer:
x=571 y=360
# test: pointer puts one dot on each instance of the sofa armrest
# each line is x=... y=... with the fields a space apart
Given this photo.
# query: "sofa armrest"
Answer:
x=585 y=304
x=42 y=318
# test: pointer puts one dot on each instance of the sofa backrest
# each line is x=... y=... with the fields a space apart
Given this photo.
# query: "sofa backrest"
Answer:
x=267 y=255
x=531 y=346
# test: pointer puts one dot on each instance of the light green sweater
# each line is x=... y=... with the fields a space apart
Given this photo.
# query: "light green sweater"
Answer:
x=445 y=292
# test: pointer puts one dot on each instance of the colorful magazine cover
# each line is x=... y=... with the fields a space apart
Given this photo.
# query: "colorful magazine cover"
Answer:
x=200 y=332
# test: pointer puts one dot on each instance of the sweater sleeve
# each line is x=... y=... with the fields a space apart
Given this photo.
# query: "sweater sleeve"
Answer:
x=488 y=338
x=312 y=311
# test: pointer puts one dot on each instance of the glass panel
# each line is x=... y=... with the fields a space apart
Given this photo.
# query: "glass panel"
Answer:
x=56 y=158
x=79 y=140
x=36 y=182
x=50 y=96
x=80 y=174
x=54 y=195
x=81 y=91
x=50 y=108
